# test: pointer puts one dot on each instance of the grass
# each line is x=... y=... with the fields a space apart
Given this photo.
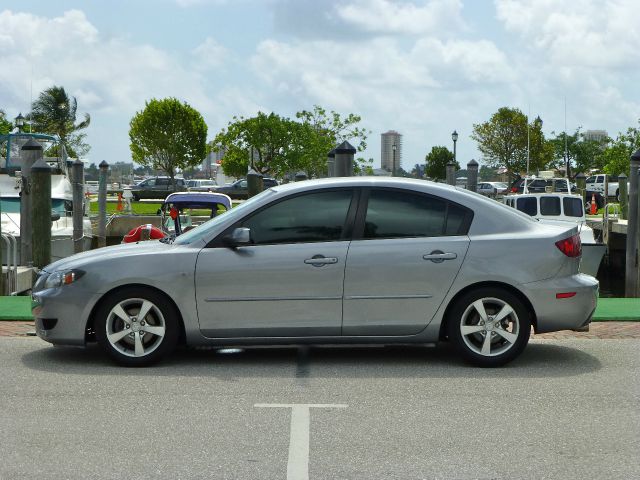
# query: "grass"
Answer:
x=137 y=208
x=144 y=208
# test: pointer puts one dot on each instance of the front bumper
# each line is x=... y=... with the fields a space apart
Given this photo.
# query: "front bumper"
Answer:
x=61 y=314
x=569 y=313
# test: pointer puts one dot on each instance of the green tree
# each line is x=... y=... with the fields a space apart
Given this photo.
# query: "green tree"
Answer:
x=270 y=144
x=541 y=151
x=54 y=112
x=436 y=161
x=279 y=145
x=168 y=135
x=504 y=138
x=487 y=174
x=583 y=154
x=5 y=125
x=324 y=131
x=616 y=158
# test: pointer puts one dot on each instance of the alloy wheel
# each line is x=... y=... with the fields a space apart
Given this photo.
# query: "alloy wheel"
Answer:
x=135 y=327
x=489 y=327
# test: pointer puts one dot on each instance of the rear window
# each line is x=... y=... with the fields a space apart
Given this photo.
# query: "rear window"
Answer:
x=550 y=206
x=528 y=205
x=572 y=207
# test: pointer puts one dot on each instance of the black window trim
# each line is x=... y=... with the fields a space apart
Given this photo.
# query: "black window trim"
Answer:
x=358 y=231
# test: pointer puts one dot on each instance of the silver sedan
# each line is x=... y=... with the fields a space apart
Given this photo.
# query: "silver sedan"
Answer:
x=349 y=260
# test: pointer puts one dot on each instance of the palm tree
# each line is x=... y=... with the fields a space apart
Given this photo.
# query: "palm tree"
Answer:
x=54 y=112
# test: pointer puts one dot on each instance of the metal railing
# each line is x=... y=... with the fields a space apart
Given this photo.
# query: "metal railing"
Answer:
x=12 y=264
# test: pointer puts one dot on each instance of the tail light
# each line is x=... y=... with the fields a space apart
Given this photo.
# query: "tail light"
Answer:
x=514 y=189
x=571 y=247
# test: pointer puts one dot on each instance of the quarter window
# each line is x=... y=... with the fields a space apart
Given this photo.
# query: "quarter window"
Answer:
x=315 y=217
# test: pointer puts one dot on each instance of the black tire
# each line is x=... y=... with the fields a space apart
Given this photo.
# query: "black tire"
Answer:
x=508 y=336
x=136 y=198
x=142 y=341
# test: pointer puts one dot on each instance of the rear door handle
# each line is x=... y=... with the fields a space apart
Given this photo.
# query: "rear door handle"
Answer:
x=438 y=256
x=320 y=260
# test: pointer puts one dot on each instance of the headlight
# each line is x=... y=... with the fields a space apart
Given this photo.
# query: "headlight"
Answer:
x=63 y=277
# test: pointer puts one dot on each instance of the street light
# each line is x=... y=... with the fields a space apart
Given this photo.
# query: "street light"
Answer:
x=395 y=170
x=19 y=122
x=454 y=137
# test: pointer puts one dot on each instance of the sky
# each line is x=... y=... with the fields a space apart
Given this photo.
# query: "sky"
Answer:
x=422 y=68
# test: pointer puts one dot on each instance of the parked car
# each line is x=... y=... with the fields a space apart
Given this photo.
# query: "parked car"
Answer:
x=539 y=185
x=596 y=184
x=492 y=188
x=157 y=187
x=239 y=190
x=340 y=260
x=198 y=185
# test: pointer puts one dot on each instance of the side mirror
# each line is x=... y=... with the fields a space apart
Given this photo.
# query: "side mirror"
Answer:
x=239 y=237
x=55 y=216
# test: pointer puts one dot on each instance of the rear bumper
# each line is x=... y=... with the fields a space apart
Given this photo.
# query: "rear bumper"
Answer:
x=569 y=313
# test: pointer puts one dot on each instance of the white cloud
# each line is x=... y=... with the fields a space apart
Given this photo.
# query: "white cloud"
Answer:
x=590 y=33
x=209 y=54
x=393 y=17
x=195 y=3
x=108 y=74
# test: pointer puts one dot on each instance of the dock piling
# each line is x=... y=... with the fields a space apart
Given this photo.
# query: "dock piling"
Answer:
x=102 y=204
x=78 y=208
x=41 y=213
x=631 y=265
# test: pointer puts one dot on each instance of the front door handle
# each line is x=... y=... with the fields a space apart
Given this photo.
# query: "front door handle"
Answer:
x=320 y=260
x=438 y=256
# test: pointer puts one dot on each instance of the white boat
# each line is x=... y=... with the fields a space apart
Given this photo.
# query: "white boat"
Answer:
x=61 y=197
x=562 y=208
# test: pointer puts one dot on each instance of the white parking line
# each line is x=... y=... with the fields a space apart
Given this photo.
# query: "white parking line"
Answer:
x=298 y=464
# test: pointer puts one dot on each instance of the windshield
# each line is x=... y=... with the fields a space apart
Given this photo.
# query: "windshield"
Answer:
x=234 y=214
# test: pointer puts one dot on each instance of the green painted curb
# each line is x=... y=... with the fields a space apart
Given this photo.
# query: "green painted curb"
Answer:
x=608 y=310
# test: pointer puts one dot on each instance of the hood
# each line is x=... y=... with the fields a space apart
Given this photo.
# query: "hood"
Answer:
x=104 y=254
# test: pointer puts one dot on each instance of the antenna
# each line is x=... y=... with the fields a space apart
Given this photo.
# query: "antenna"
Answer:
x=528 y=140
x=566 y=154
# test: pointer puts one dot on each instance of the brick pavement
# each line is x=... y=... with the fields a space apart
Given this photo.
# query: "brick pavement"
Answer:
x=597 y=330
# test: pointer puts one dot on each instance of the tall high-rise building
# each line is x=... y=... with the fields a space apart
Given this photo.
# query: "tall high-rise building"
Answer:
x=391 y=149
x=595 y=135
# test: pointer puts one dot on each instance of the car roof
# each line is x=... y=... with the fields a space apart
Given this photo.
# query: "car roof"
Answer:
x=198 y=198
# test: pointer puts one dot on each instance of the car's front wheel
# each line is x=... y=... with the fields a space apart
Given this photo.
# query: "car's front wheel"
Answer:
x=137 y=326
x=489 y=326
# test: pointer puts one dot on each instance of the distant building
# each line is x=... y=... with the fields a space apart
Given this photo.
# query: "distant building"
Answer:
x=388 y=140
x=595 y=135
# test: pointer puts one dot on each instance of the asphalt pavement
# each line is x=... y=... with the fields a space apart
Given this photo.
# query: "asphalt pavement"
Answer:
x=565 y=409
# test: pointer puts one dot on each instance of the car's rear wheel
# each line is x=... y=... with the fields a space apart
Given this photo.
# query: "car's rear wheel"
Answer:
x=137 y=326
x=489 y=326
x=136 y=197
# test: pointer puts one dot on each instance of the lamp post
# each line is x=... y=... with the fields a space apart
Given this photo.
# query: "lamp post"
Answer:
x=454 y=137
x=395 y=170
x=19 y=122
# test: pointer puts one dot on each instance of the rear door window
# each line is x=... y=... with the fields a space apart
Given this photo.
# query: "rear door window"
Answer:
x=397 y=214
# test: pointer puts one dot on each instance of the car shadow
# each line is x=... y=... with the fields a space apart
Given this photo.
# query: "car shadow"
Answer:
x=539 y=360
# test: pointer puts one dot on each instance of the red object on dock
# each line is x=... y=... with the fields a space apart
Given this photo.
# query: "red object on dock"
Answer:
x=136 y=234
